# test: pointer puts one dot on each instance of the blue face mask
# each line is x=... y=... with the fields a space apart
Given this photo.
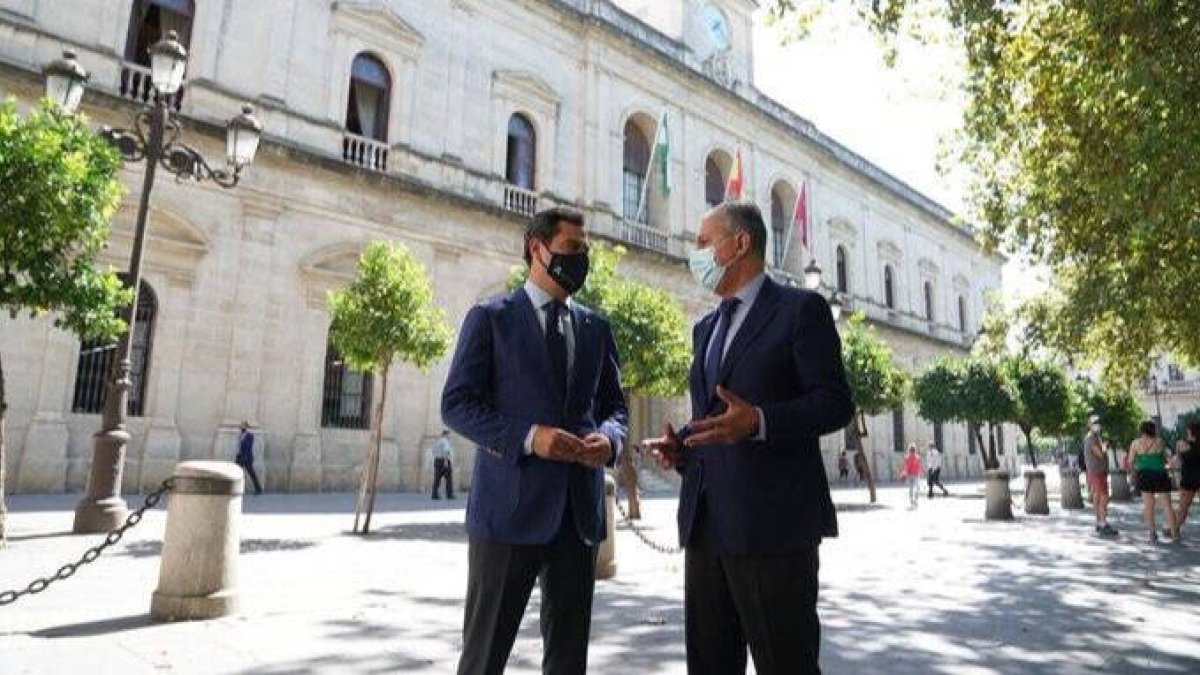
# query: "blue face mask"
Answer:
x=703 y=263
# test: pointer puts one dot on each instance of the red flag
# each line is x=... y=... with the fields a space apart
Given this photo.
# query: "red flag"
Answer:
x=800 y=215
x=733 y=190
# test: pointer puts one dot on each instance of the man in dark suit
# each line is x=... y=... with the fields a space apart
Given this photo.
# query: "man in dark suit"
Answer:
x=535 y=383
x=766 y=382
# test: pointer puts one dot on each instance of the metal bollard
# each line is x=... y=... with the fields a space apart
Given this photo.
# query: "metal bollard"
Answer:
x=606 y=561
x=1036 y=500
x=198 y=572
x=999 y=498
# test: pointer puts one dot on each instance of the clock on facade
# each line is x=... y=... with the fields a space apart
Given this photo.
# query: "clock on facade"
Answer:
x=716 y=26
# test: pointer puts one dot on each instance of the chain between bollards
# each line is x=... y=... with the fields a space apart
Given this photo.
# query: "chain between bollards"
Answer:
x=42 y=583
x=641 y=534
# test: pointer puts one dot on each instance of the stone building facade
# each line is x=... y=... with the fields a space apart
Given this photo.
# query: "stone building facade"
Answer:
x=440 y=124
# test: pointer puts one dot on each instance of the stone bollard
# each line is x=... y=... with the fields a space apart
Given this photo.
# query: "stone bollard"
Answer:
x=1036 y=501
x=999 y=498
x=606 y=561
x=1119 y=486
x=197 y=576
x=1072 y=495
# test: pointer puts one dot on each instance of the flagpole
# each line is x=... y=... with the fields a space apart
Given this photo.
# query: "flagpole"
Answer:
x=646 y=176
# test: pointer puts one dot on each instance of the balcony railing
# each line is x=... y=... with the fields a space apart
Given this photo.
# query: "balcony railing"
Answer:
x=136 y=85
x=365 y=152
x=643 y=236
x=519 y=200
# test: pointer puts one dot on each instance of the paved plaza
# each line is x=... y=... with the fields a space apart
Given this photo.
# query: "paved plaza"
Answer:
x=935 y=590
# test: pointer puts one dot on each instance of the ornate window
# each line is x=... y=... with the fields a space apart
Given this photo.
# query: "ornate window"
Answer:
x=898 y=429
x=151 y=20
x=843 y=277
x=521 y=158
x=962 y=314
x=346 y=401
x=367 y=104
x=633 y=173
x=928 y=300
x=889 y=287
x=96 y=362
x=714 y=182
x=779 y=222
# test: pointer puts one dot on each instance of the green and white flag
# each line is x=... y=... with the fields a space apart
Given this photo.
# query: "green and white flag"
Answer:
x=662 y=154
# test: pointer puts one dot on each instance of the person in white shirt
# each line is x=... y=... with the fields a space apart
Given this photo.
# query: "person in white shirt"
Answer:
x=443 y=465
x=933 y=470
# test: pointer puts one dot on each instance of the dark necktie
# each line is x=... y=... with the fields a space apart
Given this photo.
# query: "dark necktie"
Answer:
x=716 y=344
x=556 y=346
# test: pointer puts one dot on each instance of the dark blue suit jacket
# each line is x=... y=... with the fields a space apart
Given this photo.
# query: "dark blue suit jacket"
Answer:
x=498 y=388
x=771 y=496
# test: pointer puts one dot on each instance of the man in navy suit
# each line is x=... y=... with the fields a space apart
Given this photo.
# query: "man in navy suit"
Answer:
x=535 y=383
x=766 y=383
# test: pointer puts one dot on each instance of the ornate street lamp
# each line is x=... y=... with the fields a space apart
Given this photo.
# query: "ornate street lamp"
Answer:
x=65 y=80
x=812 y=275
x=155 y=139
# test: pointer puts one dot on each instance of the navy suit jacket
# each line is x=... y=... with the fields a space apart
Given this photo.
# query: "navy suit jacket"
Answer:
x=771 y=496
x=498 y=388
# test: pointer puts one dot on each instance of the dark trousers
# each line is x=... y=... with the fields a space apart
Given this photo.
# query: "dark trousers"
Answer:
x=934 y=477
x=248 y=467
x=442 y=469
x=766 y=602
x=499 y=580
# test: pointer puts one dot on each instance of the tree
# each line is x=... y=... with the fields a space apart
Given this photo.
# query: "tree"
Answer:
x=986 y=397
x=877 y=384
x=386 y=313
x=1042 y=398
x=937 y=392
x=649 y=326
x=60 y=189
x=1080 y=131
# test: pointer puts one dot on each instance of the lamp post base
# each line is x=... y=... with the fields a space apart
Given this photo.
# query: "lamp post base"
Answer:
x=93 y=516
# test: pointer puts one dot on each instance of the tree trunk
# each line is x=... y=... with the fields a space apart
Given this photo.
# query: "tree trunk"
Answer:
x=983 y=455
x=993 y=460
x=1029 y=443
x=866 y=461
x=3 y=417
x=370 y=475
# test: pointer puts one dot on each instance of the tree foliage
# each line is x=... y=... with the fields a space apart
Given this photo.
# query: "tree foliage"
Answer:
x=60 y=188
x=877 y=384
x=648 y=324
x=1042 y=398
x=388 y=312
x=935 y=391
x=1080 y=129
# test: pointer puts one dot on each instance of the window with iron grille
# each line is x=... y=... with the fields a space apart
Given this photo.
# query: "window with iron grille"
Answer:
x=889 y=289
x=346 y=400
x=843 y=280
x=898 y=429
x=96 y=357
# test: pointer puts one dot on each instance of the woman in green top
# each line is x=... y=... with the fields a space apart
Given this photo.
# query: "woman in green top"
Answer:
x=1148 y=456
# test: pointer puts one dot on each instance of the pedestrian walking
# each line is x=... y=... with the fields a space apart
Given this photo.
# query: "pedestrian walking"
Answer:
x=933 y=469
x=911 y=472
x=1148 y=455
x=535 y=383
x=1189 y=472
x=245 y=456
x=1095 y=460
x=443 y=465
x=843 y=467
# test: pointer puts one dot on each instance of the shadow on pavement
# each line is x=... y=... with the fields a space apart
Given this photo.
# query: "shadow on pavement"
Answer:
x=96 y=628
x=447 y=532
x=153 y=547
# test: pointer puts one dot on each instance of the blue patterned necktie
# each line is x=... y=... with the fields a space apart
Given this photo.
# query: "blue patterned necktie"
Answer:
x=556 y=346
x=716 y=344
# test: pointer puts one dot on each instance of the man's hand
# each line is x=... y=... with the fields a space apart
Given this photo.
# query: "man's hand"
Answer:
x=556 y=445
x=739 y=420
x=665 y=450
x=598 y=449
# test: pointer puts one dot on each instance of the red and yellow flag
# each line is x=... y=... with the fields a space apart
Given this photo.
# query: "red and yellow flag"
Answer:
x=735 y=186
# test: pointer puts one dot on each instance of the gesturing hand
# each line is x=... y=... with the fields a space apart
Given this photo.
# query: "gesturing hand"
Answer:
x=666 y=450
x=739 y=420
x=598 y=449
x=556 y=445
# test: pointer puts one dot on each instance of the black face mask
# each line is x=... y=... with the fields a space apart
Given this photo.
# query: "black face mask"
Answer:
x=568 y=270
